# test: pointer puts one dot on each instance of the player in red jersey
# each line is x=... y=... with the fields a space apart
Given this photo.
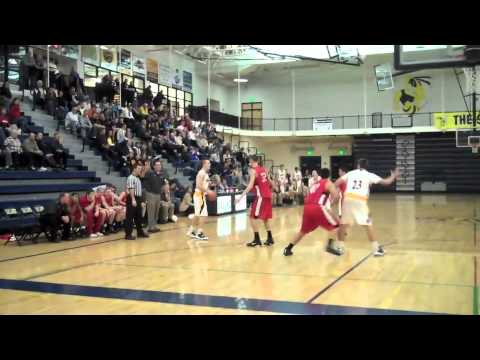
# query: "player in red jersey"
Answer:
x=262 y=205
x=315 y=211
x=341 y=187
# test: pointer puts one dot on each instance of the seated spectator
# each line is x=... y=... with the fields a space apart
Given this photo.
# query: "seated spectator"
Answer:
x=77 y=217
x=3 y=117
x=56 y=217
x=122 y=134
x=85 y=126
x=33 y=155
x=83 y=108
x=38 y=96
x=63 y=217
x=5 y=90
x=277 y=195
x=13 y=150
x=237 y=177
x=216 y=182
x=166 y=206
x=60 y=153
x=15 y=112
x=141 y=130
x=51 y=102
x=47 y=150
x=118 y=205
x=143 y=111
x=94 y=217
x=3 y=137
x=106 y=203
x=72 y=120
x=73 y=98
x=186 y=206
x=111 y=138
x=225 y=184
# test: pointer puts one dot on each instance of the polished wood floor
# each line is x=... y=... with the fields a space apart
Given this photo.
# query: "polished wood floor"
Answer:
x=432 y=244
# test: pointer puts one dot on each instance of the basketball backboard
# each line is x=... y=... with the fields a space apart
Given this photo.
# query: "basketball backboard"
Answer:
x=416 y=57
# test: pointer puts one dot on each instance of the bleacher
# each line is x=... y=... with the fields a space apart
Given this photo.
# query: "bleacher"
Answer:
x=25 y=194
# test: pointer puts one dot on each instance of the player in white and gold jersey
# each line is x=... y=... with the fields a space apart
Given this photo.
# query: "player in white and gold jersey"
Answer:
x=202 y=183
x=355 y=204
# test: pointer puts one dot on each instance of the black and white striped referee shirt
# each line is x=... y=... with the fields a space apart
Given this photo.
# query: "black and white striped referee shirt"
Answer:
x=133 y=182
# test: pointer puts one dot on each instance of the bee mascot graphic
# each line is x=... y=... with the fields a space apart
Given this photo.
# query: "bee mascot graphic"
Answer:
x=413 y=95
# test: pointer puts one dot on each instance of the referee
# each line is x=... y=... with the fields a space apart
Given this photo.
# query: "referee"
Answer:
x=134 y=204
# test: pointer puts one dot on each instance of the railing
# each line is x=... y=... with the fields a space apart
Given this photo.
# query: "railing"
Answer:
x=320 y=123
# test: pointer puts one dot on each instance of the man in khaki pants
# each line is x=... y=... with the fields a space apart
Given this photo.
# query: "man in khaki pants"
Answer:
x=154 y=181
x=166 y=206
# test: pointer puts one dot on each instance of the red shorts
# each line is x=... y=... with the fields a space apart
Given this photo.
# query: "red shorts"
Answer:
x=261 y=209
x=315 y=216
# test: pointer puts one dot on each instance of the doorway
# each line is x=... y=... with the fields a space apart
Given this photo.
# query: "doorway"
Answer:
x=310 y=163
x=337 y=161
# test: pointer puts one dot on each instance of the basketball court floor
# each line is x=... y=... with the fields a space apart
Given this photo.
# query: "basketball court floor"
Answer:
x=431 y=267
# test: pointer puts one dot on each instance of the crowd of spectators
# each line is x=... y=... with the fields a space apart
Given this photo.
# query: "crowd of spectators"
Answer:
x=140 y=130
x=21 y=148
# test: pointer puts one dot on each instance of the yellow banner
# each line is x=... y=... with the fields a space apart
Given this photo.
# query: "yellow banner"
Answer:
x=455 y=120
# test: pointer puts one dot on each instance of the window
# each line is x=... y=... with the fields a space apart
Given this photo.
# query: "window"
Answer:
x=172 y=92
x=164 y=89
x=101 y=73
x=139 y=84
x=188 y=96
x=252 y=115
x=180 y=94
x=90 y=70
x=154 y=87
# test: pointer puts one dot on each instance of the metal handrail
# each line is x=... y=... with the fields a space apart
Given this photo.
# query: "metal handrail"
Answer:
x=340 y=121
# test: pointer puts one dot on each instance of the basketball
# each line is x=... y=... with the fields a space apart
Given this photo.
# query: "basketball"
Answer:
x=211 y=195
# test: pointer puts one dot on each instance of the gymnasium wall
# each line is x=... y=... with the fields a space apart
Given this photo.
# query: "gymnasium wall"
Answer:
x=286 y=150
x=200 y=85
x=329 y=90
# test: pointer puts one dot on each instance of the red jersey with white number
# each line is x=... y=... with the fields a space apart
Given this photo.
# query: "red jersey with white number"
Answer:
x=261 y=185
x=108 y=199
x=318 y=194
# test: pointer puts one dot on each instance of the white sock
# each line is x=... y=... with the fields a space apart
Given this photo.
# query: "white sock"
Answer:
x=375 y=245
x=339 y=244
x=199 y=231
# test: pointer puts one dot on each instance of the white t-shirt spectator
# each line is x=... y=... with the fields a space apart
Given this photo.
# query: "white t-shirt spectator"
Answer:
x=191 y=135
x=121 y=136
x=215 y=157
x=72 y=119
x=127 y=114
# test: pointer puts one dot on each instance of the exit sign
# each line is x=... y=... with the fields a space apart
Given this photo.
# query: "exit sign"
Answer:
x=310 y=151
x=342 y=152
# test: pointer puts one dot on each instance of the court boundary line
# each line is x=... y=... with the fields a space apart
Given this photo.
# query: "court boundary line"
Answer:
x=211 y=301
x=329 y=286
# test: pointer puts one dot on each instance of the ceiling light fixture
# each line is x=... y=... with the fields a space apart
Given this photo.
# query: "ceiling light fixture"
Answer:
x=240 y=80
x=103 y=47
